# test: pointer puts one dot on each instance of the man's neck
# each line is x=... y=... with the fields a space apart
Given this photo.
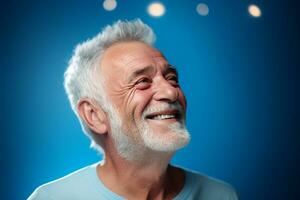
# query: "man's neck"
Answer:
x=141 y=180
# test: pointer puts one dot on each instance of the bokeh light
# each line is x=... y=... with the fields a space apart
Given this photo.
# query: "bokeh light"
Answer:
x=254 y=10
x=156 y=9
x=110 y=5
x=202 y=9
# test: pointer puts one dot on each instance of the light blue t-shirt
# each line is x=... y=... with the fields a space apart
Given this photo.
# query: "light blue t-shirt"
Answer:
x=84 y=184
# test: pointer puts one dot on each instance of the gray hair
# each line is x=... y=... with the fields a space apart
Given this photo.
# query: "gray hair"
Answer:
x=83 y=79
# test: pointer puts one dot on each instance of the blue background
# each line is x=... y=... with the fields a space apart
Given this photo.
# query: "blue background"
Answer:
x=240 y=75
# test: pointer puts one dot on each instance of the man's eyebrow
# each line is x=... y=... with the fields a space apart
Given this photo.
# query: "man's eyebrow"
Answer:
x=171 y=68
x=138 y=72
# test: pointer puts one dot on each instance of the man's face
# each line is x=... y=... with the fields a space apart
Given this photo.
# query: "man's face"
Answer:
x=144 y=89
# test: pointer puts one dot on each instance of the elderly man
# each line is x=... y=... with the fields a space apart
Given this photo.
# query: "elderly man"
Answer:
x=129 y=102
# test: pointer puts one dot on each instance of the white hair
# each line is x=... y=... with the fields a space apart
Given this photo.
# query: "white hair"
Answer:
x=83 y=79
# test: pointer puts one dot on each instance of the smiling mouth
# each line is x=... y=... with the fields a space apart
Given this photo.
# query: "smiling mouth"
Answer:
x=176 y=116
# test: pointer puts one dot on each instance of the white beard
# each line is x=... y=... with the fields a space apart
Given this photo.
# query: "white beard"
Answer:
x=132 y=148
x=176 y=138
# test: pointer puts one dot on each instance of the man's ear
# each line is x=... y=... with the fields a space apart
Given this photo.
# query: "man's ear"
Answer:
x=93 y=115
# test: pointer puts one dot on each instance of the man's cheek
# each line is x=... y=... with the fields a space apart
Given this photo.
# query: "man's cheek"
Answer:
x=182 y=99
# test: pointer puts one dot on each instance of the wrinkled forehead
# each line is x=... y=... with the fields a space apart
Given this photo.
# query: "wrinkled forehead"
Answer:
x=127 y=56
x=142 y=56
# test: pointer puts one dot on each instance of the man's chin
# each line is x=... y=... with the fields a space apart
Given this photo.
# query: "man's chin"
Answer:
x=164 y=126
x=166 y=139
x=167 y=146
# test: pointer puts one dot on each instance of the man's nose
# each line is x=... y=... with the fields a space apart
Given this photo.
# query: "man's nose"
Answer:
x=165 y=91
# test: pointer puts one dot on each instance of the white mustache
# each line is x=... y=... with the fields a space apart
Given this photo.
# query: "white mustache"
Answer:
x=162 y=107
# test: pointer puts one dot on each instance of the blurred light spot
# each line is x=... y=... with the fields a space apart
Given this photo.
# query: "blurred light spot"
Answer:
x=109 y=5
x=254 y=10
x=202 y=9
x=156 y=9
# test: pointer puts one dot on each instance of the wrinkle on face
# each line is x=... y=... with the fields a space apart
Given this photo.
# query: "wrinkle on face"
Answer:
x=126 y=93
x=118 y=63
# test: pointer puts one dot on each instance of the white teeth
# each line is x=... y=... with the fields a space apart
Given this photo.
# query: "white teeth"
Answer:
x=159 y=117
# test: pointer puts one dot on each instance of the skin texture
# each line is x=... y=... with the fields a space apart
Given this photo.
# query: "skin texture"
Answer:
x=136 y=76
x=158 y=83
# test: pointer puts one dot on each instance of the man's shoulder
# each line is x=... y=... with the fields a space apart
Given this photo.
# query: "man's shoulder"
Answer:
x=70 y=185
x=206 y=187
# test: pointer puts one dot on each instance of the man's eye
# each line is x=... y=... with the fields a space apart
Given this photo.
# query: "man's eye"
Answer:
x=173 y=79
x=143 y=80
x=143 y=83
